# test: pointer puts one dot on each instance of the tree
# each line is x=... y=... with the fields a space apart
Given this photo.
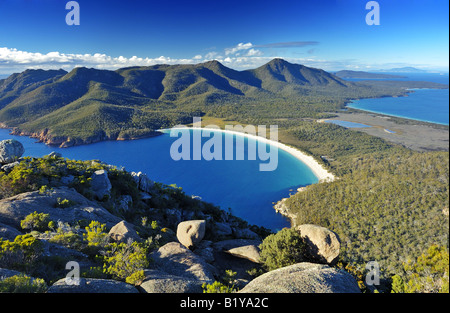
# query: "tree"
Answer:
x=282 y=249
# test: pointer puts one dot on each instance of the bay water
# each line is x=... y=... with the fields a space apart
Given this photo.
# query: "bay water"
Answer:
x=237 y=186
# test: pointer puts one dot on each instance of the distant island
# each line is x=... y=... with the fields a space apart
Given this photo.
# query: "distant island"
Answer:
x=407 y=69
x=364 y=75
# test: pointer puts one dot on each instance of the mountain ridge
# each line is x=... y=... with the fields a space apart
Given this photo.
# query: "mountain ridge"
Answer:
x=88 y=105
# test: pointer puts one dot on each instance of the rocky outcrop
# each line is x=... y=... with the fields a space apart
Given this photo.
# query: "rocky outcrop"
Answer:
x=9 y=167
x=100 y=184
x=235 y=243
x=190 y=233
x=46 y=137
x=160 y=282
x=303 y=278
x=92 y=285
x=323 y=245
x=7 y=232
x=5 y=273
x=240 y=248
x=176 y=260
x=10 y=151
x=281 y=207
x=123 y=231
x=144 y=183
x=16 y=208
x=249 y=252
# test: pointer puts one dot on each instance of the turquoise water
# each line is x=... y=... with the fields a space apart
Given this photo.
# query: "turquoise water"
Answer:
x=347 y=124
x=428 y=105
x=236 y=184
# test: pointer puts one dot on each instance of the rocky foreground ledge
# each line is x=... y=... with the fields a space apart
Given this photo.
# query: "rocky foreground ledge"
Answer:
x=193 y=243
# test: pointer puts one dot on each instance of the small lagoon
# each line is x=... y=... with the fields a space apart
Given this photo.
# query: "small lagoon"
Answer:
x=347 y=124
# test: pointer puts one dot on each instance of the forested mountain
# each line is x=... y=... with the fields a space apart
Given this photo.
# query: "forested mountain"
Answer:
x=89 y=105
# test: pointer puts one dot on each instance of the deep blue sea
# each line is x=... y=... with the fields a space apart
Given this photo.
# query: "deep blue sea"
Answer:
x=429 y=105
x=235 y=184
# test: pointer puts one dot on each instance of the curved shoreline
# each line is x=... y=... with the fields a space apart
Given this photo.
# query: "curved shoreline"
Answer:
x=353 y=105
x=318 y=170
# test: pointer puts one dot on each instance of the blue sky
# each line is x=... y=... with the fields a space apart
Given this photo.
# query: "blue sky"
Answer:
x=328 y=34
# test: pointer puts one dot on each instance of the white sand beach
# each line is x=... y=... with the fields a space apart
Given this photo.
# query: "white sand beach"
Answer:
x=319 y=171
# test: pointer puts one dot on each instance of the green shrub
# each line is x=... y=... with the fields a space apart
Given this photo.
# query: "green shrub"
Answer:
x=94 y=272
x=22 y=284
x=95 y=234
x=216 y=287
x=20 y=253
x=64 y=203
x=45 y=190
x=136 y=278
x=36 y=221
x=125 y=261
x=282 y=249
x=428 y=274
x=66 y=236
x=228 y=285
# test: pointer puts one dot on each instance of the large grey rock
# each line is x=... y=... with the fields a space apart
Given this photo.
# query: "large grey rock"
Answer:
x=123 y=231
x=124 y=203
x=67 y=180
x=323 y=245
x=174 y=259
x=10 y=150
x=223 y=229
x=100 y=184
x=160 y=282
x=16 y=208
x=235 y=261
x=92 y=285
x=54 y=250
x=9 y=167
x=205 y=250
x=249 y=252
x=54 y=154
x=190 y=233
x=225 y=245
x=303 y=278
x=143 y=182
x=8 y=233
x=245 y=233
x=5 y=273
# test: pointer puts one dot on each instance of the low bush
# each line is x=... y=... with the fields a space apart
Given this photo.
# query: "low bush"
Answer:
x=22 y=284
x=282 y=249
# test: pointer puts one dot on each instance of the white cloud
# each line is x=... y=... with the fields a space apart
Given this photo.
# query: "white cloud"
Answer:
x=254 y=52
x=13 y=60
x=239 y=47
x=241 y=57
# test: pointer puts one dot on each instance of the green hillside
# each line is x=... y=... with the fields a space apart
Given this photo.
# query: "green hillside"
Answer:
x=88 y=105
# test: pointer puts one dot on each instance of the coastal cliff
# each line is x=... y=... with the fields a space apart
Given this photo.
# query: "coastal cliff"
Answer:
x=47 y=138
